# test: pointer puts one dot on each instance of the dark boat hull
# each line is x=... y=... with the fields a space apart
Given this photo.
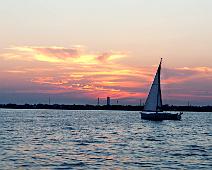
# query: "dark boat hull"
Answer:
x=160 y=116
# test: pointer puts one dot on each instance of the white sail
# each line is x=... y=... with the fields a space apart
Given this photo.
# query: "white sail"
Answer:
x=154 y=100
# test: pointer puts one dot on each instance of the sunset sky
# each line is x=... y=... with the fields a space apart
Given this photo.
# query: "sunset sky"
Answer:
x=75 y=51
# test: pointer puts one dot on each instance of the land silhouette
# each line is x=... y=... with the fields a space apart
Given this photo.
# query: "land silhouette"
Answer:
x=104 y=107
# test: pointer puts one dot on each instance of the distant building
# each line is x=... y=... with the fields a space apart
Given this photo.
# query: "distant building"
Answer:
x=108 y=101
x=98 y=101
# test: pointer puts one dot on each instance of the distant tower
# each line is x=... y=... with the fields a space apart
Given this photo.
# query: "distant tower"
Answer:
x=117 y=102
x=108 y=101
x=140 y=102
x=98 y=101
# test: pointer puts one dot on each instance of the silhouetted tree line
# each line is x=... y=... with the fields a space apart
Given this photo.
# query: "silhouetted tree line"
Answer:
x=104 y=107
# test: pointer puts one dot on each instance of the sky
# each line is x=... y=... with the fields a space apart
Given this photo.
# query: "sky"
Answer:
x=75 y=51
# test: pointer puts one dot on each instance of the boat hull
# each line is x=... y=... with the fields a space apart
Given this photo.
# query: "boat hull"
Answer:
x=160 y=116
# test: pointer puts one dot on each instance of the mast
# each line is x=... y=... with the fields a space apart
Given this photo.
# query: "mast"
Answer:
x=159 y=87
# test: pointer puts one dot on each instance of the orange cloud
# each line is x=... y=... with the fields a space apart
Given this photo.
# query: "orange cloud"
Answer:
x=59 y=52
x=60 y=55
x=70 y=70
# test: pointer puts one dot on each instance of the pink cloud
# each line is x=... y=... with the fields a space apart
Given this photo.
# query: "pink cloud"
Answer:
x=100 y=74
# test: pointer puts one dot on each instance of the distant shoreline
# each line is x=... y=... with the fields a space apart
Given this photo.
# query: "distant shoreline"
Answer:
x=104 y=107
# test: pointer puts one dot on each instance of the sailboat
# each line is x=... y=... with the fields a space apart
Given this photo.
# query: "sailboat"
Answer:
x=153 y=106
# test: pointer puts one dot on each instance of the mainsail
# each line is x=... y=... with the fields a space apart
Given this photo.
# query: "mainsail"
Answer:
x=154 y=100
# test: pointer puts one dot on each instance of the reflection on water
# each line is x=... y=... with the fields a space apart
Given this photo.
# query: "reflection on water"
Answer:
x=52 y=139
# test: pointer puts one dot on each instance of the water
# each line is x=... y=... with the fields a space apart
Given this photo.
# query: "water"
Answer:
x=54 y=139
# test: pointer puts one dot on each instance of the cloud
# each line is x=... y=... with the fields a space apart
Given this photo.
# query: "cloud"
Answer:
x=60 y=70
x=188 y=84
x=60 y=55
x=59 y=52
x=206 y=70
x=44 y=54
x=108 y=56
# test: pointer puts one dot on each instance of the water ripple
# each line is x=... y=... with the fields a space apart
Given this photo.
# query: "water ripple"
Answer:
x=51 y=139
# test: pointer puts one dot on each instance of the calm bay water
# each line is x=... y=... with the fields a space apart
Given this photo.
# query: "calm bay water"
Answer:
x=54 y=139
